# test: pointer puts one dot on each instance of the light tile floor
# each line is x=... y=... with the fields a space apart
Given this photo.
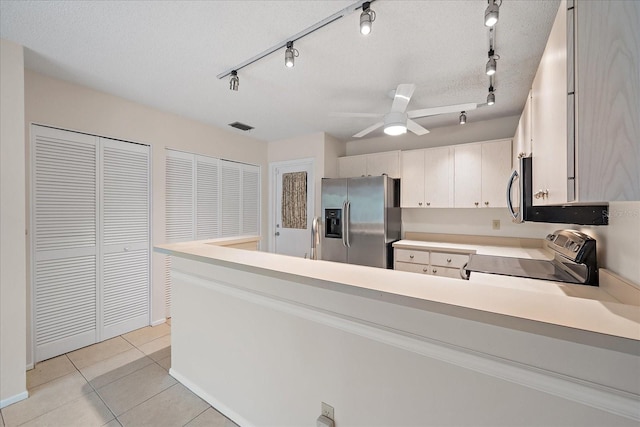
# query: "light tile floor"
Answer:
x=123 y=381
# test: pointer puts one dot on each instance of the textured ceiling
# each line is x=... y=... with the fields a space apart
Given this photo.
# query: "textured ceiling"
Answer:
x=167 y=55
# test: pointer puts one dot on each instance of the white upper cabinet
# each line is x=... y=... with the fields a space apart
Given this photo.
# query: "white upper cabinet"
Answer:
x=438 y=178
x=370 y=164
x=481 y=172
x=522 y=138
x=468 y=173
x=412 y=180
x=427 y=178
x=496 y=167
x=549 y=117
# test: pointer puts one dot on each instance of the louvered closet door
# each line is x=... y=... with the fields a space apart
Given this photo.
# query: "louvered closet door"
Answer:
x=125 y=237
x=250 y=200
x=64 y=227
x=180 y=209
x=231 y=198
x=207 y=198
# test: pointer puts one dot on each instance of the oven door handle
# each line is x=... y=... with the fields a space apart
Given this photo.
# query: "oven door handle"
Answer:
x=512 y=178
x=464 y=273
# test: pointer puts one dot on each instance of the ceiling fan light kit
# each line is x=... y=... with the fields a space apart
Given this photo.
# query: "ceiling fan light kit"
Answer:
x=395 y=123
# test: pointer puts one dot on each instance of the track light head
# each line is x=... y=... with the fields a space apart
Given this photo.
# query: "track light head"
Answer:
x=234 y=81
x=290 y=54
x=463 y=118
x=491 y=98
x=491 y=14
x=366 y=18
x=491 y=66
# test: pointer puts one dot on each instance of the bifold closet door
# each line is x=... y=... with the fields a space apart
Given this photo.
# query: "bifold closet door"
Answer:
x=125 y=237
x=65 y=240
x=90 y=239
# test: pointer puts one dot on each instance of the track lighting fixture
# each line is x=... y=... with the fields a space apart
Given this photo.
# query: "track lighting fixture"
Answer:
x=491 y=63
x=463 y=118
x=290 y=54
x=491 y=13
x=491 y=98
x=234 y=81
x=366 y=18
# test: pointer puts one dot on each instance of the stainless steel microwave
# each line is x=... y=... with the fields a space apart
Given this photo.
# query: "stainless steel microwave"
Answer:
x=570 y=213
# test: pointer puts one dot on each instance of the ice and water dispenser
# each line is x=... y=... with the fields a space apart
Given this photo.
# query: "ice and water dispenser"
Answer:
x=333 y=223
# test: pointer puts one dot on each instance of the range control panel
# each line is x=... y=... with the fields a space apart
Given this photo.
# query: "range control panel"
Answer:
x=570 y=244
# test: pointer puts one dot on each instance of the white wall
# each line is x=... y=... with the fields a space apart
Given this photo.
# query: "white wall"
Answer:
x=504 y=127
x=13 y=383
x=322 y=148
x=61 y=104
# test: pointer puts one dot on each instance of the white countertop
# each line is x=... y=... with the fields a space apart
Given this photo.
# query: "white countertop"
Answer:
x=573 y=306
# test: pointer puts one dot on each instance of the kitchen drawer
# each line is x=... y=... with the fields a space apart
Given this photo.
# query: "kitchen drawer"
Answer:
x=448 y=260
x=445 y=272
x=412 y=256
x=412 y=267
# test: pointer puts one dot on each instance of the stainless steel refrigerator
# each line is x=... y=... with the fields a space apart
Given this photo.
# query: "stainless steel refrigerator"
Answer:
x=360 y=220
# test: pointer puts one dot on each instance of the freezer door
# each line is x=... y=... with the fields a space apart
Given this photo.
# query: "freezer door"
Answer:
x=334 y=200
x=366 y=221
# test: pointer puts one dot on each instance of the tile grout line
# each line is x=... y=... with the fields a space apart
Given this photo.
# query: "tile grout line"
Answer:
x=151 y=397
x=205 y=410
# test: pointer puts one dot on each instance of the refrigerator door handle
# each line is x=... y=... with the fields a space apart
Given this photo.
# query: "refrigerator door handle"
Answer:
x=344 y=221
x=347 y=223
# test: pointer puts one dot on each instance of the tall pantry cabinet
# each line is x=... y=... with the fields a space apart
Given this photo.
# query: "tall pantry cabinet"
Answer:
x=90 y=239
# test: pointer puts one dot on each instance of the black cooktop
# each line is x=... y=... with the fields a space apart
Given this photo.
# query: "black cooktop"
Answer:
x=519 y=267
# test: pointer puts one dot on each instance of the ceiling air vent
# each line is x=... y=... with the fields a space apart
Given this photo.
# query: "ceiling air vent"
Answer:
x=240 y=126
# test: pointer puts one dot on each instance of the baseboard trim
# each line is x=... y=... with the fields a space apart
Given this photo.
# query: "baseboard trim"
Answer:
x=13 y=399
x=217 y=405
x=158 y=322
x=587 y=393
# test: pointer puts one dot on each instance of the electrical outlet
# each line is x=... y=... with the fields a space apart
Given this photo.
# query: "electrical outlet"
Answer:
x=496 y=224
x=327 y=410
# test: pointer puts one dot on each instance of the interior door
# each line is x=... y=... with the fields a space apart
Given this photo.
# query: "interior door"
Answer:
x=293 y=208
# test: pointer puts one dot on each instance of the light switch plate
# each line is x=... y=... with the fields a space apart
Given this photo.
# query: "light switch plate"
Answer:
x=495 y=224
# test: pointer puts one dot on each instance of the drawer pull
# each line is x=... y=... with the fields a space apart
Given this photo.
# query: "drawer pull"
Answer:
x=424 y=270
x=434 y=271
x=448 y=259
x=411 y=256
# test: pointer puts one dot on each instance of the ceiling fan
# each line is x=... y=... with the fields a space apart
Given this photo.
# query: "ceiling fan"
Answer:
x=398 y=120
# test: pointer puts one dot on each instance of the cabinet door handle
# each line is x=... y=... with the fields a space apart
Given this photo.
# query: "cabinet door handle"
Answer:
x=486 y=203
x=476 y=203
x=428 y=203
x=419 y=203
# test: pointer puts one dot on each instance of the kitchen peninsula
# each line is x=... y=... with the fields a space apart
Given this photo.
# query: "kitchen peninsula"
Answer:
x=265 y=338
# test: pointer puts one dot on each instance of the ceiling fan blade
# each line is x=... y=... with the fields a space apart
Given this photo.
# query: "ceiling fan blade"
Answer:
x=402 y=97
x=416 y=128
x=366 y=115
x=368 y=130
x=425 y=112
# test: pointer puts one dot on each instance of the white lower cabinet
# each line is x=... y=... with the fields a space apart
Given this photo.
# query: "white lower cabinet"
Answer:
x=429 y=261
